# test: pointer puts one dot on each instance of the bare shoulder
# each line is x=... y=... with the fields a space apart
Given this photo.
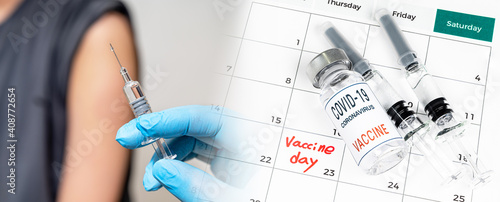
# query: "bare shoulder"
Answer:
x=110 y=25
x=94 y=59
x=94 y=53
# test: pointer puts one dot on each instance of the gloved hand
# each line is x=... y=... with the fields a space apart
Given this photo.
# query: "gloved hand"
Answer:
x=197 y=130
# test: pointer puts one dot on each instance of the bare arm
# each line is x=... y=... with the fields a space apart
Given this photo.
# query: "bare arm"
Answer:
x=95 y=165
x=7 y=7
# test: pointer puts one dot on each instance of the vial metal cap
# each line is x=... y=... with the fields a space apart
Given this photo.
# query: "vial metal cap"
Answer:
x=332 y=59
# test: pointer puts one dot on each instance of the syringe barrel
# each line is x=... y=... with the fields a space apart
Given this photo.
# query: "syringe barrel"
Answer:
x=435 y=154
x=407 y=55
x=391 y=101
x=480 y=174
x=423 y=84
x=136 y=98
x=140 y=106
x=385 y=93
x=137 y=102
x=359 y=63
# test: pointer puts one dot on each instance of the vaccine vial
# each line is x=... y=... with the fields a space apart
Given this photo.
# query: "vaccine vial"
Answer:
x=413 y=128
x=369 y=134
x=401 y=114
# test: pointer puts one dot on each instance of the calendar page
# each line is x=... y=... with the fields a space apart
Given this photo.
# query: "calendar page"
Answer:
x=298 y=154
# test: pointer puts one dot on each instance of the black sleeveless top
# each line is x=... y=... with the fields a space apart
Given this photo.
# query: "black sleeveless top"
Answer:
x=37 y=45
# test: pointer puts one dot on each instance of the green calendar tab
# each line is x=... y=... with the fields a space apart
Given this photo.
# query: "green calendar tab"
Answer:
x=464 y=25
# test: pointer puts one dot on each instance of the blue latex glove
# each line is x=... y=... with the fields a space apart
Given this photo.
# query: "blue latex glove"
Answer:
x=192 y=127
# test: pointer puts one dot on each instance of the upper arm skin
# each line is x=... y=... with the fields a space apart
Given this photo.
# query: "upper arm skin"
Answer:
x=95 y=165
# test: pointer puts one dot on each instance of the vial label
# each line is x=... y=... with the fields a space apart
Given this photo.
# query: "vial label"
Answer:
x=359 y=117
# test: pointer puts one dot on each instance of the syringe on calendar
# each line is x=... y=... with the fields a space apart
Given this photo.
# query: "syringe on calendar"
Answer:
x=438 y=137
x=448 y=126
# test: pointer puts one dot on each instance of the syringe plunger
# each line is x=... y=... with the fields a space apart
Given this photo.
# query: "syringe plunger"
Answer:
x=407 y=56
x=360 y=64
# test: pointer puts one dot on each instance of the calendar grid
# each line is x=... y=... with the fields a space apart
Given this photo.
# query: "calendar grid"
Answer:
x=366 y=41
x=340 y=171
x=364 y=23
x=427 y=50
x=212 y=152
x=307 y=91
x=288 y=107
x=484 y=96
x=288 y=128
x=237 y=55
x=482 y=110
x=406 y=175
x=272 y=44
x=385 y=66
x=263 y=82
x=294 y=89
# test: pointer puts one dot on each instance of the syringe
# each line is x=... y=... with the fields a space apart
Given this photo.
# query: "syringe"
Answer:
x=140 y=106
x=449 y=126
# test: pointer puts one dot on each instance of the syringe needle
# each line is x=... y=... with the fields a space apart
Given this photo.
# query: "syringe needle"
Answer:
x=123 y=71
x=112 y=49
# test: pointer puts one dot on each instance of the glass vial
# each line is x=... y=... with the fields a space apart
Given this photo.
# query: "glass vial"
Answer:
x=369 y=134
x=401 y=114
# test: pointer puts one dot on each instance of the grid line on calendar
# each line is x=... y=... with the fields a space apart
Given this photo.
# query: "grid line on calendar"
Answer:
x=288 y=107
x=406 y=175
x=482 y=110
x=212 y=152
x=340 y=171
x=288 y=128
x=427 y=50
x=484 y=96
x=366 y=41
